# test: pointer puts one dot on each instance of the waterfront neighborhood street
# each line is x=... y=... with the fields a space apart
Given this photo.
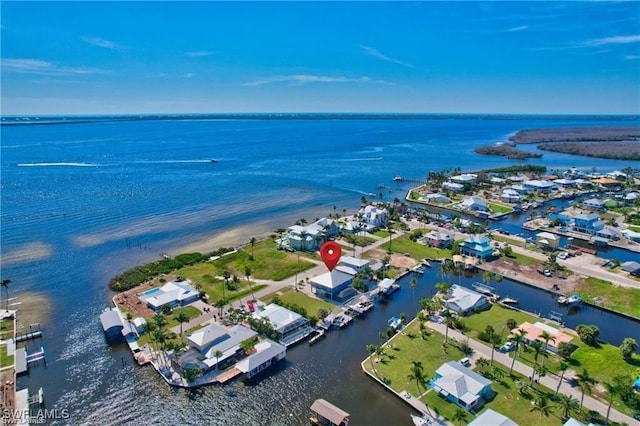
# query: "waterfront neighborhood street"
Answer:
x=550 y=381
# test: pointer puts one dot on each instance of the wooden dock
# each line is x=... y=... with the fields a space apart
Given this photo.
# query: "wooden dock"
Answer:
x=227 y=375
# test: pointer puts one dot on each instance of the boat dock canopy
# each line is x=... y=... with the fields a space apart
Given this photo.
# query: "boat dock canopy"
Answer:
x=330 y=412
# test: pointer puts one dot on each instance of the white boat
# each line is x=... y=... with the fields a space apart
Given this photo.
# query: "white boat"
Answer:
x=395 y=323
x=510 y=301
x=574 y=300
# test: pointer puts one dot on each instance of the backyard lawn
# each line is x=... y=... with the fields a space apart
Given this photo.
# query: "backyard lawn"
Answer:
x=418 y=251
x=505 y=239
x=5 y=360
x=499 y=208
x=311 y=304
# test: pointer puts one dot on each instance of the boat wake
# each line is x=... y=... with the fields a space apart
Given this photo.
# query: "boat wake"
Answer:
x=362 y=159
x=57 y=165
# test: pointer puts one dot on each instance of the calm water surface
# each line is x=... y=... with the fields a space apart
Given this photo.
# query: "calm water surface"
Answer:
x=82 y=202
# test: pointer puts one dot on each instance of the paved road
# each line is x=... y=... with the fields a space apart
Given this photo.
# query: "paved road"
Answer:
x=550 y=381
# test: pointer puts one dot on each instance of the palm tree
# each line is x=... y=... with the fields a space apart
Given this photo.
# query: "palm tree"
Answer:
x=567 y=405
x=542 y=406
x=218 y=354
x=537 y=348
x=564 y=365
x=247 y=273
x=372 y=350
x=160 y=320
x=5 y=285
x=586 y=382
x=148 y=327
x=413 y=283
x=390 y=231
x=181 y=317
x=494 y=339
x=460 y=415
x=417 y=374
x=253 y=243
x=448 y=318
x=303 y=237
x=518 y=338
x=547 y=337
x=612 y=391
x=498 y=373
x=482 y=363
x=226 y=275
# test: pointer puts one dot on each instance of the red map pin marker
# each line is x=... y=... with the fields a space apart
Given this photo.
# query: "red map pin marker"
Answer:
x=330 y=253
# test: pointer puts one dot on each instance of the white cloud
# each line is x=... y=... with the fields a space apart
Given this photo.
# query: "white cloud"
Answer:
x=198 y=53
x=188 y=75
x=37 y=66
x=631 y=57
x=100 y=42
x=299 y=79
x=613 y=40
x=516 y=29
x=375 y=53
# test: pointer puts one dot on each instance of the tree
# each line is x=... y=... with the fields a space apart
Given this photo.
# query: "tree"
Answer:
x=511 y=324
x=303 y=237
x=448 y=319
x=218 y=354
x=160 y=320
x=5 y=285
x=562 y=367
x=190 y=374
x=542 y=406
x=567 y=404
x=565 y=350
x=498 y=373
x=628 y=348
x=612 y=391
x=253 y=244
x=417 y=374
x=247 y=273
x=460 y=415
x=181 y=317
x=372 y=350
x=443 y=287
x=586 y=383
x=482 y=363
x=518 y=338
x=547 y=337
x=226 y=275
x=588 y=333
x=537 y=348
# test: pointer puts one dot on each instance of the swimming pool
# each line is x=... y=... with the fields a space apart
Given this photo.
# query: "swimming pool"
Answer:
x=149 y=293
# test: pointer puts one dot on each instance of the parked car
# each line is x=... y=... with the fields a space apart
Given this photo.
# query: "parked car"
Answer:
x=507 y=347
x=547 y=273
x=465 y=361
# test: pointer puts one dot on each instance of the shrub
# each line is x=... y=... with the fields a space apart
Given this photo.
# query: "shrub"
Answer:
x=588 y=333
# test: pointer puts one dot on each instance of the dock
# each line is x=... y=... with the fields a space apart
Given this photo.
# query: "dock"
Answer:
x=326 y=414
x=229 y=374
x=31 y=334
x=319 y=334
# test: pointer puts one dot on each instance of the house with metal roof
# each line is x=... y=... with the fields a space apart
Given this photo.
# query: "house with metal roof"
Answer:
x=326 y=414
x=464 y=301
x=291 y=326
x=461 y=385
x=334 y=285
x=587 y=223
x=172 y=294
x=267 y=354
x=479 y=247
x=492 y=418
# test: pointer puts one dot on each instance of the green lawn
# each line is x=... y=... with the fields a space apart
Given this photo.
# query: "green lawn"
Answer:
x=505 y=239
x=525 y=260
x=395 y=367
x=499 y=208
x=621 y=299
x=6 y=328
x=191 y=312
x=634 y=228
x=5 y=360
x=418 y=251
x=496 y=317
x=311 y=304
x=385 y=234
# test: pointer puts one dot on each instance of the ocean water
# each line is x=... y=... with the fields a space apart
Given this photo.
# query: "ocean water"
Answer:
x=83 y=201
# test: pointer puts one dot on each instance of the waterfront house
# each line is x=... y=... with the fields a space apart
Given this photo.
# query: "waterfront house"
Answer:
x=607 y=234
x=353 y=262
x=510 y=196
x=464 y=301
x=564 y=183
x=587 y=223
x=324 y=413
x=492 y=418
x=112 y=323
x=334 y=285
x=466 y=178
x=631 y=197
x=452 y=186
x=533 y=332
x=291 y=326
x=311 y=237
x=479 y=247
x=461 y=385
x=594 y=204
x=543 y=186
x=474 y=204
x=519 y=189
x=547 y=240
x=267 y=353
x=172 y=294
x=438 y=239
x=631 y=267
x=437 y=198
x=607 y=183
x=373 y=216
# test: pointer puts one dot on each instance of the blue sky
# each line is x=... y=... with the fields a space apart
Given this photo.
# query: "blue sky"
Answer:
x=459 y=57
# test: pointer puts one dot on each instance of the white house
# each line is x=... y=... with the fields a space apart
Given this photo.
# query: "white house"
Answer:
x=475 y=204
x=594 y=204
x=267 y=354
x=464 y=301
x=469 y=178
x=291 y=326
x=334 y=285
x=373 y=216
x=547 y=239
x=461 y=385
x=452 y=186
x=172 y=294
x=437 y=198
x=539 y=186
x=438 y=239
x=510 y=196
x=311 y=236
x=492 y=418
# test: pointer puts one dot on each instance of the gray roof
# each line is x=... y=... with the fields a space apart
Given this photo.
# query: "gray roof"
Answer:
x=492 y=418
x=630 y=266
x=460 y=381
x=266 y=350
x=465 y=298
x=110 y=319
x=329 y=411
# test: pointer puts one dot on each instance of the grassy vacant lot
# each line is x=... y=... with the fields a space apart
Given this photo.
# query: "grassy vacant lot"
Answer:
x=418 y=251
x=496 y=317
x=525 y=260
x=510 y=240
x=191 y=312
x=5 y=360
x=395 y=367
x=499 y=208
x=385 y=234
x=311 y=304
x=208 y=276
x=621 y=299
x=6 y=328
